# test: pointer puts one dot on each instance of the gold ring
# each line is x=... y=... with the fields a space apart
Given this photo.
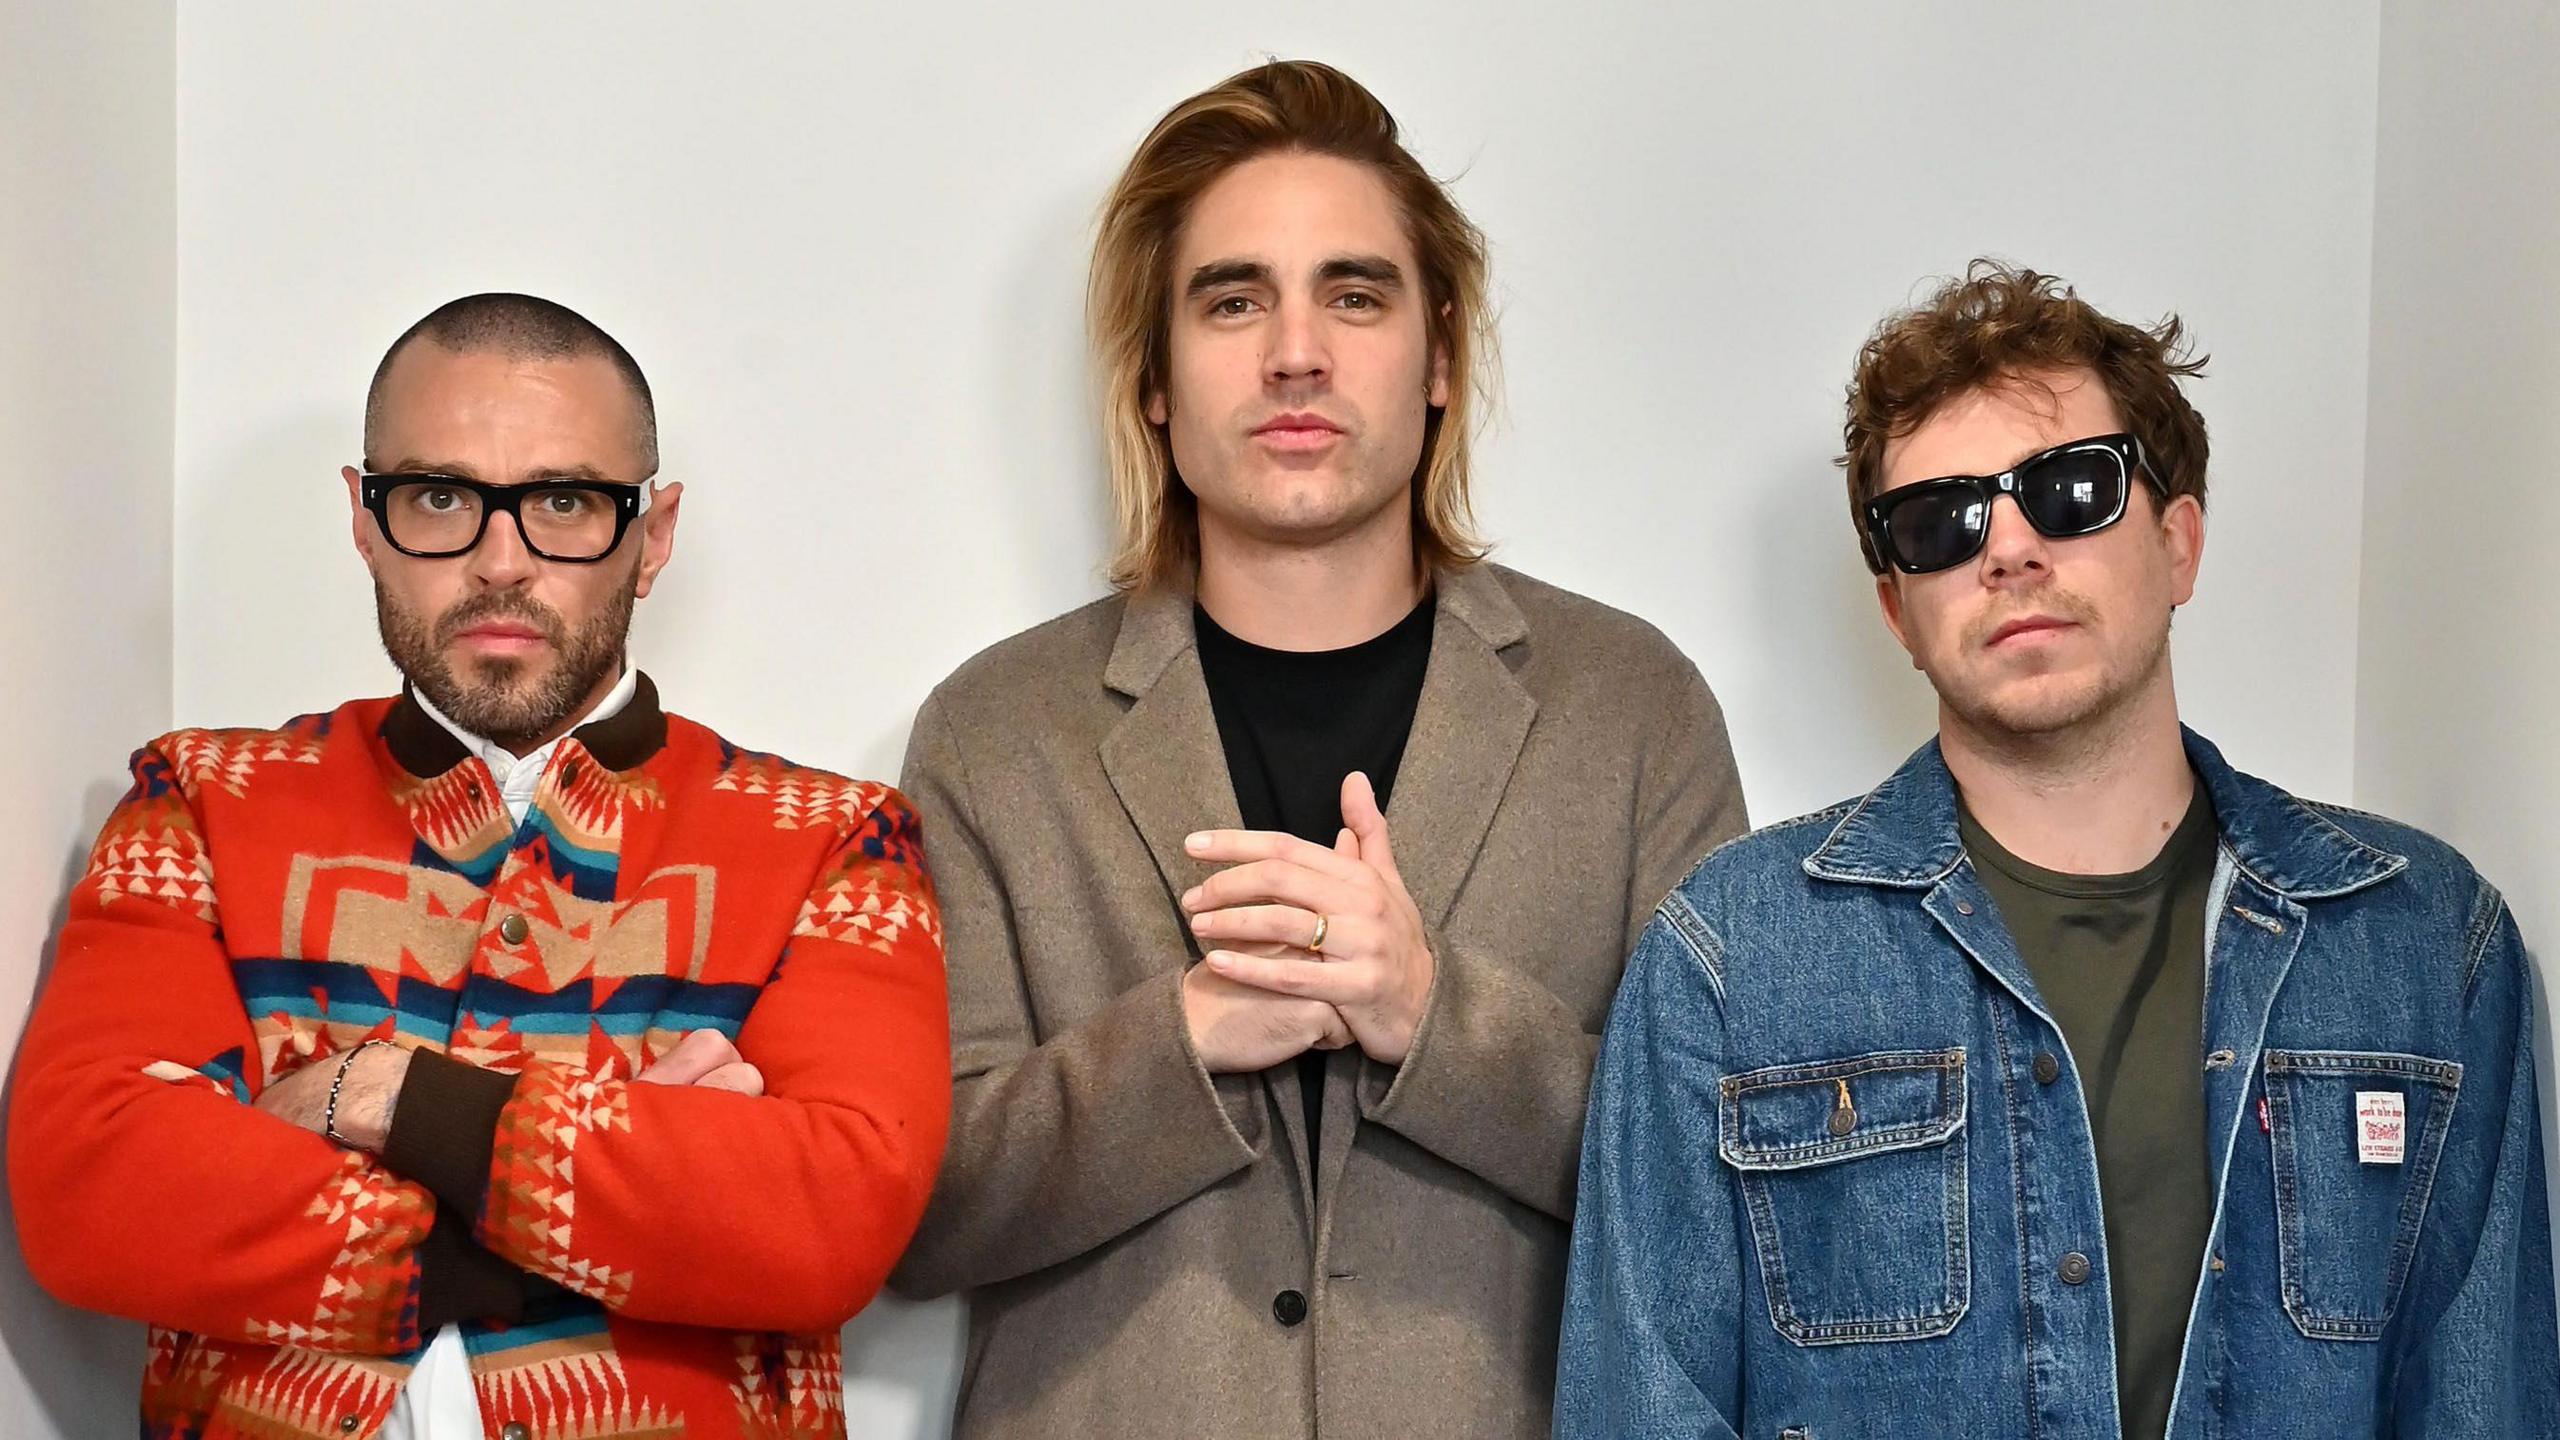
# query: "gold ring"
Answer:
x=1315 y=942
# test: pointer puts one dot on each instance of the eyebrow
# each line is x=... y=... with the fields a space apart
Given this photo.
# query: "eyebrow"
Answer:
x=1226 y=272
x=1378 y=270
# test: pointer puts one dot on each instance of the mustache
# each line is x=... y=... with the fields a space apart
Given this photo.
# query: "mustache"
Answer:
x=2060 y=604
x=480 y=609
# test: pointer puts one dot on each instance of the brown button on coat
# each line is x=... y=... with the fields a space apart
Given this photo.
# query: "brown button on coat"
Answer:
x=1126 y=1224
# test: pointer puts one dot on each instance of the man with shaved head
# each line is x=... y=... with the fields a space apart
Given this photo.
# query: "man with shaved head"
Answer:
x=509 y=1058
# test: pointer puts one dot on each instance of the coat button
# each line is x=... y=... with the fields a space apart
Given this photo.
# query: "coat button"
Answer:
x=1289 y=1307
x=2048 y=1069
x=2074 y=1268
x=515 y=1430
x=513 y=929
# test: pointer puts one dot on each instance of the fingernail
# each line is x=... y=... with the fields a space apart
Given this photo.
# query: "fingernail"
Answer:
x=1216 y=959
x=1190 y=897
x=1200 y=922
x=1196 y=841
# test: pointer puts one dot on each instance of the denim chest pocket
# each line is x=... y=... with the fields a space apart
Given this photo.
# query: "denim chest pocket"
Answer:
x=1853 y=1175
x=2354 y=1137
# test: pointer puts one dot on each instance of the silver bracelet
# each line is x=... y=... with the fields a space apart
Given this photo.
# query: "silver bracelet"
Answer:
x=329 y=1117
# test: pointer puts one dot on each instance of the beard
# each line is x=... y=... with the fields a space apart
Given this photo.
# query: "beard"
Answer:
x=2035 y=716
x=510 y=702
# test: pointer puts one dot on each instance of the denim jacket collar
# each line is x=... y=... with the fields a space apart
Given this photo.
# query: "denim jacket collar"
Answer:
x=1903 y=834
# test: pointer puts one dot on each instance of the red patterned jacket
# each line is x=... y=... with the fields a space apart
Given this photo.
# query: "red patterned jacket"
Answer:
x=625 y=1260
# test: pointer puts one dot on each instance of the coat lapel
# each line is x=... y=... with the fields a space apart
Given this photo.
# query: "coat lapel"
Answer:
x=1467 y=732
x=1163 y=759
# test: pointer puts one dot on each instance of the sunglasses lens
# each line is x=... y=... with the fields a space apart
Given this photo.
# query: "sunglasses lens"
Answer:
x=2077 y=492
x=1936 y=528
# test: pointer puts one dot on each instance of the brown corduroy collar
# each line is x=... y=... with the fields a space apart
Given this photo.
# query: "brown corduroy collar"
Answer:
x=623 y=742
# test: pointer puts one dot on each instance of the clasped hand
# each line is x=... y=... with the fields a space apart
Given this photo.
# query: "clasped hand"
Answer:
x=1267 y=991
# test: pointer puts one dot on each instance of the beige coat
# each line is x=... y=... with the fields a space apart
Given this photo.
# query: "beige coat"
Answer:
x=1124 y=1222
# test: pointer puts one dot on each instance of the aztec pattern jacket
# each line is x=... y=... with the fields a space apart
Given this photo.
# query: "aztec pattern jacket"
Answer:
x=626 y=1260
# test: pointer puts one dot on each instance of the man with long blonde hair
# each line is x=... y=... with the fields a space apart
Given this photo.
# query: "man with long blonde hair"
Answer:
x=1268 y=1090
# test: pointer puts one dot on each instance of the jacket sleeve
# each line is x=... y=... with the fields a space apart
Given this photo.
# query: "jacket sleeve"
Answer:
x=1063 y=1142
x=2487 y=1359
x=1653 y=1295
x=692 y=1206
x=145 y=1185
x=1495 y=1079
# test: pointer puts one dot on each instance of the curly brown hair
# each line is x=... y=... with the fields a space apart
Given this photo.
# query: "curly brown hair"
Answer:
x=1996 y=326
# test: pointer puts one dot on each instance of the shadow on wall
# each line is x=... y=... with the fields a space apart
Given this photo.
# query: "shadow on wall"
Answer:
x=1889 y=708
x=266 y=521
x=902 y=1358
x=82 y=1372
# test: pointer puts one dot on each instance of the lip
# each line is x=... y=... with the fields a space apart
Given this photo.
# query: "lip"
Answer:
x=1298 y=430
x=2028 y=628
x=501 y=637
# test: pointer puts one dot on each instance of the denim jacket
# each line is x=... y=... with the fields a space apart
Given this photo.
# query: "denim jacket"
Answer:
x=1828 y=1192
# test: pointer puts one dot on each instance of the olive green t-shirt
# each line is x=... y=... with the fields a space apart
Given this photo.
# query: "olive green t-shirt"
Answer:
x=2119 y=963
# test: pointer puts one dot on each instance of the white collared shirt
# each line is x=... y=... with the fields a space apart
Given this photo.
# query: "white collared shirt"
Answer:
x=437 y=1403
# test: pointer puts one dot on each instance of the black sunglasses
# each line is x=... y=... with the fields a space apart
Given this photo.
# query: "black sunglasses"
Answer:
x=2074 y=489
x=435 y=517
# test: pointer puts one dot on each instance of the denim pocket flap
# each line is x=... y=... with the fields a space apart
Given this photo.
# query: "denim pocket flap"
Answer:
x=1787 y=1117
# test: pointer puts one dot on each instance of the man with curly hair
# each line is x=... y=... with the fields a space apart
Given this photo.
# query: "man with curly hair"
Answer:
x=2072 y=1082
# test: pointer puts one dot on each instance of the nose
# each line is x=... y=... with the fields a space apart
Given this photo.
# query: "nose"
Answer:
x=1297 y=352
x=2013 y=550
x=500 y=561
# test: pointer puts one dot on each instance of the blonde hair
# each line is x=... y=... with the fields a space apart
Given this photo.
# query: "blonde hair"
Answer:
x=1285 y=105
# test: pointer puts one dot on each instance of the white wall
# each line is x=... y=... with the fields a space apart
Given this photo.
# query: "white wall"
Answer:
x=87 y=246
x=847 y=242
x=2459 y=687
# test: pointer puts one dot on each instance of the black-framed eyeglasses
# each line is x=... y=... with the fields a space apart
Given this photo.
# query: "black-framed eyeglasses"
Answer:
x=435 y=517
x=2073 y=489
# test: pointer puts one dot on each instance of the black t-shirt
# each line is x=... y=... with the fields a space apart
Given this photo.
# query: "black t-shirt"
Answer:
x=2119 y=962
x=1295 y=722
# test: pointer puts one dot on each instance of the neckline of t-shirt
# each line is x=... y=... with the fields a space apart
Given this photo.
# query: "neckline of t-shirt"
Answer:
x=1213 y=636
x=2190 y=834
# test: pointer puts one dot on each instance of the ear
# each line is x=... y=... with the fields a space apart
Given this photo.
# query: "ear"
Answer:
x=658 y=534
x=362 y=518
x=1158 y=412
x=1889 y=600
x=2182 y=529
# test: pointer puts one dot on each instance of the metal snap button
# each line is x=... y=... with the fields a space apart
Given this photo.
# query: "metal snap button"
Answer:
x=1844 y=1113
x=2074 y=1268
x=2047 y=1068
x=513 y=929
